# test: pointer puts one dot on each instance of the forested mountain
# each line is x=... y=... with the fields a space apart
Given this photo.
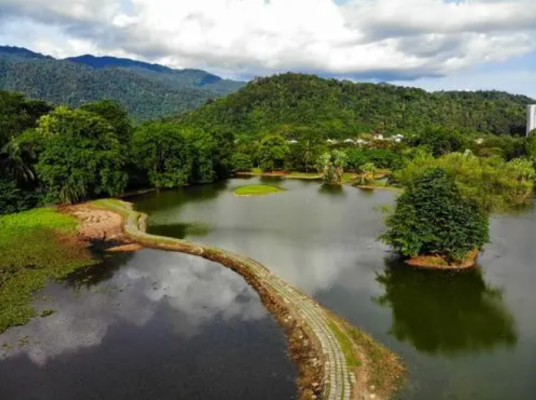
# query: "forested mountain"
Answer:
x=179 y=79
x=292 y=104
x=146 y=90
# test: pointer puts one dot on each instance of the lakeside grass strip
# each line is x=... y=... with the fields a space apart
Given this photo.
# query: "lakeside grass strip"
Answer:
x=320 y=344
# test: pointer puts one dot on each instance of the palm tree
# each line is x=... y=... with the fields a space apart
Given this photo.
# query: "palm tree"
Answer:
x=367 y=172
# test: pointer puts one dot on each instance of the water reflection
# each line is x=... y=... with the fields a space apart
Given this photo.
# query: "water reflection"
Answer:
x=330 y=190
x=135 y=295
x=448 y=313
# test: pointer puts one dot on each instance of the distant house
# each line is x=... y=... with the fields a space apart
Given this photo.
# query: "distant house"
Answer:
x=378 y=136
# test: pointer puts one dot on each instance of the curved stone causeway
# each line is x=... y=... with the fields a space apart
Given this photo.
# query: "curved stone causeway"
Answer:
x=319 y=342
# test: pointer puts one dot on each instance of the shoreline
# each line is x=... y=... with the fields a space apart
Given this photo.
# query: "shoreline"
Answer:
x=332 y=363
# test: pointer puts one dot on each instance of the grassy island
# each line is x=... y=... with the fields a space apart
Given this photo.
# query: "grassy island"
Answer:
x=257 y=190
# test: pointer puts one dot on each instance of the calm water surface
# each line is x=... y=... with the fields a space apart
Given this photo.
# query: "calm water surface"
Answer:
x=463 y=336
x=152 y=325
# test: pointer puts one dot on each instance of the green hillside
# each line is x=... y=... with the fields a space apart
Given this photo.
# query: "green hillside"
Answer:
x=145 y=93
x=292 y=104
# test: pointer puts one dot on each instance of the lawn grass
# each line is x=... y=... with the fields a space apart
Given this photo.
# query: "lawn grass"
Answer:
x=256 y=190
x=35 y=247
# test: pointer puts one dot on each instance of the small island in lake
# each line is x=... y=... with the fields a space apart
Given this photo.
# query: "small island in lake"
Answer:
x=257 y=190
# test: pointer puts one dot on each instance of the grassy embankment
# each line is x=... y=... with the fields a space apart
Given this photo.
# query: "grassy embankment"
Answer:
x=35 y=247
x=256 y=190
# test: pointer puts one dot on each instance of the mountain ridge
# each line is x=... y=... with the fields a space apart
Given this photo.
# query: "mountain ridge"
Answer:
x=146 y=90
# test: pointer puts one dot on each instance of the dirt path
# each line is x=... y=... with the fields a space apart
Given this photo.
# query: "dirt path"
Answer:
x=97 y=224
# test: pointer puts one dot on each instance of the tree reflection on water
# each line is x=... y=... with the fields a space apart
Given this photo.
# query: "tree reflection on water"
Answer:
x=445 y=312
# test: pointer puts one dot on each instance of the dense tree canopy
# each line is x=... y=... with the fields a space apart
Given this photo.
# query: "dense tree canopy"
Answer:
x=492 y=183
x=79 y=156
x=272 y=152
x=290 y=104
x=162 y=151
x=432 y=218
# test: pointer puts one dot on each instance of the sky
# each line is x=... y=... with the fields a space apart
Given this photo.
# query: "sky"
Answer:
x=433 y=44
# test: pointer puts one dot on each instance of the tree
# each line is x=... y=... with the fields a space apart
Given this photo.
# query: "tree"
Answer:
x=432 y=218
x=331 y=165
x=115 y=114
x=78 y=155
x=440 y=141
x=492 y=183
x=272 y=152
x=367 y=172
x=164 y=154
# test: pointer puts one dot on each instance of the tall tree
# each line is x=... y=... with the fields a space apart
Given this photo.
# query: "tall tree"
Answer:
x=164 y=154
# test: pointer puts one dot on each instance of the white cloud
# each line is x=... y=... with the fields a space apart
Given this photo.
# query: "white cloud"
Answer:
x=375 y=38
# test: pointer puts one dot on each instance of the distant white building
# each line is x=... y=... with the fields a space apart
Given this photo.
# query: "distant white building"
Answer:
x=531 y=118
x=378 y=136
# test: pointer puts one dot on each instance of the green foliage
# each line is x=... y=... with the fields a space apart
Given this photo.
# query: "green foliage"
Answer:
x=381 y=158
x=530 y=145
x=492 y=183
x=115 y=114
x=367 y=172
x=507 y=147
x=304 y=154
x=272 y=152
x=289 y=104
x=440 y=141
x=79 y=156
x=432 y=218
x=18 y=114
x=13 y=198
x=33 y=251
x=163 y=153
x=241 y=162
x=332 y=167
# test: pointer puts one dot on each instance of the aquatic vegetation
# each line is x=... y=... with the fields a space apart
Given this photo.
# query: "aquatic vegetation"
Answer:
x=35 y=247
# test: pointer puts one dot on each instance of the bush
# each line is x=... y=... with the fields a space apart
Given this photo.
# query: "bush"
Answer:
x=432 y=218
